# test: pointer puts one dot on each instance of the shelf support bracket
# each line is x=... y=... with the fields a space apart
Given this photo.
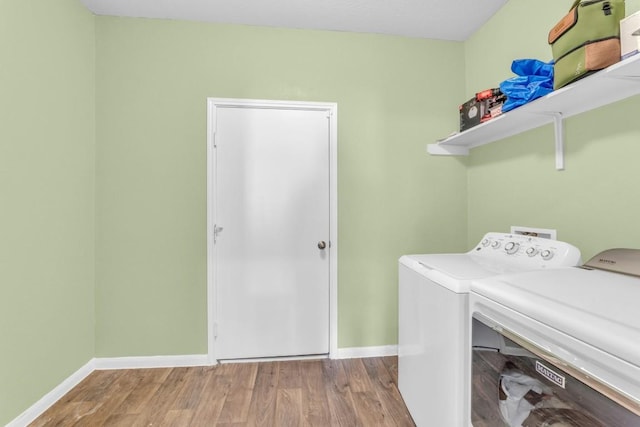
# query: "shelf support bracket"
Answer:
x=558 y=125
x=558 y=128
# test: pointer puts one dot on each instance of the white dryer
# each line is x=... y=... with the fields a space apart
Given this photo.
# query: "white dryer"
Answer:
x=579 y=330
x=434 y=331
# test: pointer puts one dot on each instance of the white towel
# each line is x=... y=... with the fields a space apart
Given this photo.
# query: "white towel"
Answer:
x=515 y=385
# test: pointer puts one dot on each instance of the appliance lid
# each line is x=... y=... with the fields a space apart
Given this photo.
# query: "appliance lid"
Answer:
x=624 y=261
x=496 y=253
x=456 y=266
x=595 y=306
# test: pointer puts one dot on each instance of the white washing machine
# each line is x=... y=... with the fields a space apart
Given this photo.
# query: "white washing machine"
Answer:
x=433 y=338
x=579 y=332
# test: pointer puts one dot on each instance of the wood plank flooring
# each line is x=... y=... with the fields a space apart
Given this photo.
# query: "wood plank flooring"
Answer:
x=350 y=392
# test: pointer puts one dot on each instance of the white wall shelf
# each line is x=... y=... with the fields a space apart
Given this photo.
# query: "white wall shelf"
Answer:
x=615 y=83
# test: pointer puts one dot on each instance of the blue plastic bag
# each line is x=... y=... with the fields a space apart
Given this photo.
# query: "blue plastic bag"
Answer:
x=535 y=79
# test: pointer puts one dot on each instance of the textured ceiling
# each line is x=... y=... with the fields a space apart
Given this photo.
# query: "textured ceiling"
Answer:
x=433 y=19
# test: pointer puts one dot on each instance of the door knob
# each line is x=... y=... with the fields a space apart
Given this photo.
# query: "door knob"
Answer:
x=322 y=244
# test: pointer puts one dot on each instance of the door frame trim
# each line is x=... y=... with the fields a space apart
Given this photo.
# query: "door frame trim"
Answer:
x=332 y=110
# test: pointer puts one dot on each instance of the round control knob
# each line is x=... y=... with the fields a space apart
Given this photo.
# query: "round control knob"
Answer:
x=495 y=245
x=486 y=242
x=511 y=247
x=532 y=251
x=546 y=254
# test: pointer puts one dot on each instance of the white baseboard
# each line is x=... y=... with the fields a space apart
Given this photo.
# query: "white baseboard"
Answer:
x=107 y=363
x=53 y=396
x=357 y=352
x=274 y=359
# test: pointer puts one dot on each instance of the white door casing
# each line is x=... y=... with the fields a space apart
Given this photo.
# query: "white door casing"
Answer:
x=276 y=232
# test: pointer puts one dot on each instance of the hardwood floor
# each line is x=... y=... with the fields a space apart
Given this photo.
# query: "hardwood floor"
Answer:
x=350 y=392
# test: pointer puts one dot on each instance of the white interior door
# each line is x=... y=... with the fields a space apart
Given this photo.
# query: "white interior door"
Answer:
x=272 y=216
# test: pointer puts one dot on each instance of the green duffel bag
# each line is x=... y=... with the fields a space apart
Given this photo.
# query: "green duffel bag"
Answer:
x=586 y=40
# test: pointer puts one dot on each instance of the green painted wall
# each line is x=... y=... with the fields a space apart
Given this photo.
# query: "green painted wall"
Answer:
x=153 y=77
x=595 y=202
x=131 y=184
x=47 y=143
